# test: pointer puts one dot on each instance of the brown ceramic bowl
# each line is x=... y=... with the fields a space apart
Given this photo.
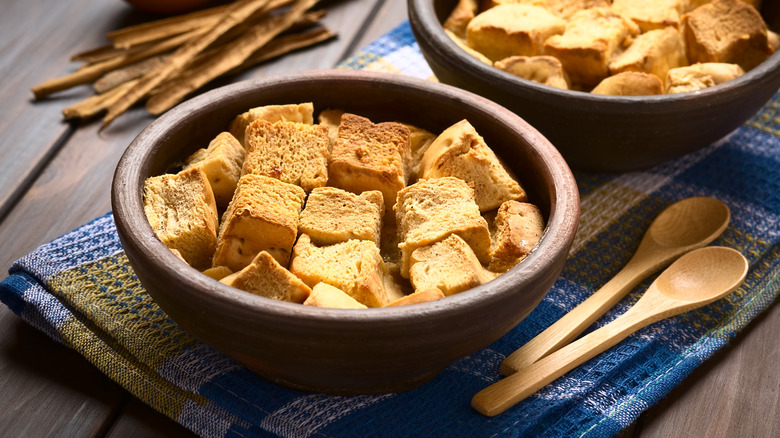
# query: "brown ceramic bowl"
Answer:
x=596 y=132
x=340 y=350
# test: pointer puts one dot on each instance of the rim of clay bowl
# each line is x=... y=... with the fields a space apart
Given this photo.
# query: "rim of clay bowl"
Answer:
x=129 y=214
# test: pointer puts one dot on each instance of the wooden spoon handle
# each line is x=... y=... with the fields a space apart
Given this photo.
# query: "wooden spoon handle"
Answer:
x=509 y=391
x=581 y=317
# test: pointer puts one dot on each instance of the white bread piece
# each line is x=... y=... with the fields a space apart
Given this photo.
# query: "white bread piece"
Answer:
x=264 y=276
x=420 y=296
x=461 y=152
x=593 y=37
x=700 y=76
x=298 y=113
x=727 y=31
x=448 y=265
x=512 y=30
x=369 y=156
x=354 y=266
x=333 y=215
x=649 y=15
x=431 y=210
x=222 y=161
x=460 y=17
x=263 y=216
x=294 y=153
x=546 y=70
x=653 y=52
x=519 y=227
x=630 y=83
x=562 y=8
x=325 y=295
x=183 y=214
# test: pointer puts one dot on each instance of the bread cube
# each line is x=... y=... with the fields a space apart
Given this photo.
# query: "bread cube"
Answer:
x=562 y=8
x=726 y=31
x=693 y=4
x=354 y=266
x=331 y=118
x=291 y=152
x=420 y=296
x=368 y=156
x=460 y=17
x=325 y=295
x=464 y=45
x=222 y=162
x=592 y=38
x=183 y=214
x=431 y=210
x=461 y=152
x=512 y=30
x=263 y=216
x=519 y=227
x=545 y=70
x=630 y=83
x=654 y=52
x=264 y=276
x=700 y=76
x=298 y=113
x=333 y=215
x=448 y=265
x=419 y=142
x=649 y=15
x=217 y=272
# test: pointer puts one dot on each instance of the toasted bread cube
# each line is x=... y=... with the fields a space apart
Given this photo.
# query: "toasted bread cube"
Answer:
x=562 y=8
x=264 y=276
x=448 y=265
x=325 y=295
x=431 y=210
x=773 y=39
x=263 y=216
x=630 y=83
x=183 y=214
x=461 y=152
x=294 y=153
x=654 y=52
x=222 y=162
x=512 y=30
x=726 y=31
x=298 y=113
x=369 y=156
x=700 y=76
x=331 y=118
x=420 y=296
x=464 y=45
x=545 y=70
x=592 y=38
x=333 y=215
x=354 y=266
x=519 y=227
x=693 y=4
x=649 y=15
x=460 y=17
x=217 y=272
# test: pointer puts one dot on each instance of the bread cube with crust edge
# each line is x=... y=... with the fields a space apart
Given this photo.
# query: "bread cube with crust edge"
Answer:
x=264 y=276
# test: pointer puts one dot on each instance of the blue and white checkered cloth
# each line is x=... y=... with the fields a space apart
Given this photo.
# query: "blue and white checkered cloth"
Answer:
x=80 y=290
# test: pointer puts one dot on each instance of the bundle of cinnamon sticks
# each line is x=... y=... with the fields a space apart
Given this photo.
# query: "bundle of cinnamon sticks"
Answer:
x=164 y=61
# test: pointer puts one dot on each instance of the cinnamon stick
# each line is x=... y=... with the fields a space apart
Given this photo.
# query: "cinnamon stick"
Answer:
x=98 y=103
x=132 y=36
x=127 y=73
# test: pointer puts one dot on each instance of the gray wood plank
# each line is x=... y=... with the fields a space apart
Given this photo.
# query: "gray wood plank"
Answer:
x=139 y=420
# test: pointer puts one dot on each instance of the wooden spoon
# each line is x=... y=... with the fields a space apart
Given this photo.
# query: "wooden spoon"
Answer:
x=681 y=227
x=697 y=278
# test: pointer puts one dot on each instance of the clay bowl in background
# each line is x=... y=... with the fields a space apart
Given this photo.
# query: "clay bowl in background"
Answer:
x=345 y=351
x=597 y=132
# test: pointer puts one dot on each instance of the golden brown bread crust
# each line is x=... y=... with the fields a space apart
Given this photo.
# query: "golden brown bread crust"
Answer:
x=368 y=156
x=649 y=15
x=222 y=161
x=546 y=70
x=294 y=153
x=727 y=31
x=700 y=76
x=333 y=215
x=183 y=214
x=264 y=276
x=653 y=52
x=325 y=295
x=519 y=227
x=449 y=266
x=630 y=83
x=298 y=113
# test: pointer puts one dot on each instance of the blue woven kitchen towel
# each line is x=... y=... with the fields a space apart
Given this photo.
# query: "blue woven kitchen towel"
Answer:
x=80 y=290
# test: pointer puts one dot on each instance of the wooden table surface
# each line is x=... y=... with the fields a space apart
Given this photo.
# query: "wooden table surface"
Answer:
x=56 y=176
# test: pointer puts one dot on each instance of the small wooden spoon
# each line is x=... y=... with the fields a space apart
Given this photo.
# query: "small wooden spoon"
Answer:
x=681 y=227
x=697 y=278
